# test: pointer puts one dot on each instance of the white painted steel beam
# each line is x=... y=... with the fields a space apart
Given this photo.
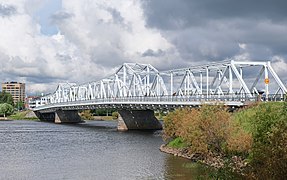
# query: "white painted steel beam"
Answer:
x=134 y=82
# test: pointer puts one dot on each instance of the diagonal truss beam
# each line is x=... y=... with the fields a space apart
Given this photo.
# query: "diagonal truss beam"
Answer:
x=133 y=80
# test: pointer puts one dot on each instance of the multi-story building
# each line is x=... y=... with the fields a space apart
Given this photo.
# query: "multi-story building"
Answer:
x=16 y=89
x=34 y=101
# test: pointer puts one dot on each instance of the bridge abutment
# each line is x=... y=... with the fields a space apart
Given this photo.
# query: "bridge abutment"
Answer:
x=69 y=116
x=137 y=120
x=49 y=117
x=60 y=116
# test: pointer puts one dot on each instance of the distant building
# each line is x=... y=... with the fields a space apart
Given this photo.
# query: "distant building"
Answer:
x=30 y=102
x=35 y=101
x=16 y=89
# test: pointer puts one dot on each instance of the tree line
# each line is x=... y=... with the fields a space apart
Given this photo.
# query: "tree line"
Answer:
x=6 y=104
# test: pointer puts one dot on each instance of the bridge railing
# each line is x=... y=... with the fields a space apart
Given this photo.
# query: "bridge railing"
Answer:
x=188 y=100
x=175 y=98
x=232 y=99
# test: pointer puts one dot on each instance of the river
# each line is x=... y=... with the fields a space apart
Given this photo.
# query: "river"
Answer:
x=92 y=150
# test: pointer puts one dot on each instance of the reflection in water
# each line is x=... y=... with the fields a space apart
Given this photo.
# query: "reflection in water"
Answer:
x=93 y=150
x=184 y=169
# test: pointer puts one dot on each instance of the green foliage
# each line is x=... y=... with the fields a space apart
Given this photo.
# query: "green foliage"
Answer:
x=102 y=112
x=22 y=115
x=259 y=118
x=19 y=105
x=115 y=115
x=177 y=143
x=6 y=109
x=86 y=114
x=204 y=130
x=258 y=132
x=268 y=157
x=6 y=98
x=225 y=172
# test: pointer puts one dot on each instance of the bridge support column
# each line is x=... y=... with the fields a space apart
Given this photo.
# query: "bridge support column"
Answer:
x=137 y=119
x=69 y=116
x=60 y=116
x=49 y=117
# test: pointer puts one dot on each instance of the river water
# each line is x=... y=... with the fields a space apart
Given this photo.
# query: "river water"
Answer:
x=92 y=150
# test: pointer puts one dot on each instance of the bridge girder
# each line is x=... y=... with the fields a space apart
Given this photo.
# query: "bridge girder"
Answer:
x=241 y=79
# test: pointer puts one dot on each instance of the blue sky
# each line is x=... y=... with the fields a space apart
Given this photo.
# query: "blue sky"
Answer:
x=43 y=15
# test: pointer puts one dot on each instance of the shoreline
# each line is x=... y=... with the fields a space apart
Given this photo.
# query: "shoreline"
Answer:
x=236 y=164
x=5 y=119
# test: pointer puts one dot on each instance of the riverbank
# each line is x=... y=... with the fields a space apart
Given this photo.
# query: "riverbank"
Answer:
x=4 y=119
x=24 y=115
x=235 y=163
x=240 y=142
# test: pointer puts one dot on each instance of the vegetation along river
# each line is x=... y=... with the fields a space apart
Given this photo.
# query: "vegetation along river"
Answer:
x=92 y=150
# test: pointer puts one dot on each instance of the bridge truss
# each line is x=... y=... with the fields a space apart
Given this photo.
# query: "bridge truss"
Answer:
x=231 y=82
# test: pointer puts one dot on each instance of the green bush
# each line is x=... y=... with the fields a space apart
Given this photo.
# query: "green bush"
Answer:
x=258 y=132
x=268 y=157
x=86 y=114
x=115 y=115
x=206 y=130
x=6 y=109
x=177 y=143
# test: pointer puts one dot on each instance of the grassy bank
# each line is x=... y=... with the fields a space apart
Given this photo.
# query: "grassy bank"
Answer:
x=251 y=142
x=23 y=115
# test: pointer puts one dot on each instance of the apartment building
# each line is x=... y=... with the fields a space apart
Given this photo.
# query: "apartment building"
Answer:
x=16 y=89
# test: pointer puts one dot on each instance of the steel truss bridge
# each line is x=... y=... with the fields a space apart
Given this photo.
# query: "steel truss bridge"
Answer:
x=142 y=86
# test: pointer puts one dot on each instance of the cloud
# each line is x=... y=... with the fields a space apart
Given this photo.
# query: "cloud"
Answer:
x=153 y=53
x=60 y=16
x=213 y=29
x=112 y=33
x=242 y=45
x=95 y=37
x=28 y=56
x=7 y=10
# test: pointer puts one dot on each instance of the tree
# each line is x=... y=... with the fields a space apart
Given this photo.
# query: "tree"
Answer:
x=6 y=109
x=6 y=98
x=19 y=105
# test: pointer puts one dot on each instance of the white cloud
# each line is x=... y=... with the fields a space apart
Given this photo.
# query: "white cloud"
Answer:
x=279 y=64
x=242 y=45
x=111 y=32
x=95 y=36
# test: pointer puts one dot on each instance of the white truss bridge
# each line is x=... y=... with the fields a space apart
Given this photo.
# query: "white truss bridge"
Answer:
x=142 y=86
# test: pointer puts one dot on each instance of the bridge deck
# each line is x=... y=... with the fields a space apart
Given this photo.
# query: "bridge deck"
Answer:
x=141 y=86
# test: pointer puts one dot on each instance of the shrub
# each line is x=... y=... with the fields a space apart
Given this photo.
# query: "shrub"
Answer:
x=177 y=143
x=115 y=115
x=172 y=123
x=86 y=114
x=268 y=159
x=239 y=141
x=204 y=130
x=258 y=132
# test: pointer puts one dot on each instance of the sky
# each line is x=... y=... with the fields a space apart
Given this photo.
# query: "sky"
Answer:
x=46 y=42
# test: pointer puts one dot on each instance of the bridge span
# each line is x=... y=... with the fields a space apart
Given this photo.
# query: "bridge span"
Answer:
x=135 y=90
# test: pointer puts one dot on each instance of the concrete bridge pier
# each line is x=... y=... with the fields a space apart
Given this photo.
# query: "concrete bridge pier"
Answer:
x=49 y=117
x=70 y=116
x=137 y=120
x=60 y=116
